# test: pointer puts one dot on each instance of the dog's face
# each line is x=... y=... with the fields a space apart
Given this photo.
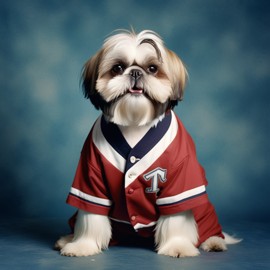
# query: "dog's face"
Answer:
x=134 y=78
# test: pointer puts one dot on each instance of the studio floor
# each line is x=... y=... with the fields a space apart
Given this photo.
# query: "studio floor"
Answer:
x=27 y=244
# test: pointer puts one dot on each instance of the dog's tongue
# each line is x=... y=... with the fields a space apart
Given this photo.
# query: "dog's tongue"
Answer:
x=136 y=91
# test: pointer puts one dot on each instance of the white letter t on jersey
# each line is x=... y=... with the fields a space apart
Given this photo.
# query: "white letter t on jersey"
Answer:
x=156 y=175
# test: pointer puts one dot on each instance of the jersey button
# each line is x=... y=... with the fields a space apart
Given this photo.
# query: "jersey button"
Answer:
x=131 y=175
x=133 y=218
x=130 y=191
x=132 y=159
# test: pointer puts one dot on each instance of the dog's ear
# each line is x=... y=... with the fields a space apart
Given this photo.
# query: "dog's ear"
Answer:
x=89 y=78
x=178 y=76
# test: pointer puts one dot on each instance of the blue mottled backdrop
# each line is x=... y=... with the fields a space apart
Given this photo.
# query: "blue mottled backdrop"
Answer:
x=45 y=119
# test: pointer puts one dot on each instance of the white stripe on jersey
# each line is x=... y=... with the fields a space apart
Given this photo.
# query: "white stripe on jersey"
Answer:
x=121 y=221
x=182 y=196
x=140 y=225
x=90 y=198
x=106 y=149
x=146 y=161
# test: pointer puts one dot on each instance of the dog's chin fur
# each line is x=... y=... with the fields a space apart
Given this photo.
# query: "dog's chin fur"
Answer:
x=132 y=111
x=135 y=110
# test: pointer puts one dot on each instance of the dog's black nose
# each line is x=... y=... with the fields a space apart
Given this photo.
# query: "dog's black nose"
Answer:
x=135 y=73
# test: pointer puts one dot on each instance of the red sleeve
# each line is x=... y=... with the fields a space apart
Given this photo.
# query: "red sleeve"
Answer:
x=207 y=222
x=184 y=190
x=185 y=187
x=88 y=191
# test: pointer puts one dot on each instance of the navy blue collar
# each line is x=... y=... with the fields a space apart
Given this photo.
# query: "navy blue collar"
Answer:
x=116 y=139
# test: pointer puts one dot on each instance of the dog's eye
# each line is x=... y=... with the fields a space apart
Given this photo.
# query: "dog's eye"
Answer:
x=118 y=69
x=152 y=69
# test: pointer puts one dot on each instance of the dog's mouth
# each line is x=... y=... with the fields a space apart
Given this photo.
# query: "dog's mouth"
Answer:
x=135 y=91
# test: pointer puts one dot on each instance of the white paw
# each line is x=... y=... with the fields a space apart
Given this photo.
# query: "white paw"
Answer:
x=178 y=247
x=214 y=243
x=80 y=248
x=60 y=243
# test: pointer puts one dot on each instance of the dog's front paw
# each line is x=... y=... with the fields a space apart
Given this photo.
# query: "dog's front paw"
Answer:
x=80 y=248
x=178 y=247
x=60 y=243
x=214 y=243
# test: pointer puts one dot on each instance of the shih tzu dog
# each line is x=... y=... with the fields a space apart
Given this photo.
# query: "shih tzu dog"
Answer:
x=138 y=179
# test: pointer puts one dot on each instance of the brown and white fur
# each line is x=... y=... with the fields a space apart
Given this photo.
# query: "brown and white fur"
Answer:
x=134 y=79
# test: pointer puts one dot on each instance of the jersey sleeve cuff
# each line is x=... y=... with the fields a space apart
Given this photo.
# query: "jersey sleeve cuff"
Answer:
x=182 y=206
x=88 y=206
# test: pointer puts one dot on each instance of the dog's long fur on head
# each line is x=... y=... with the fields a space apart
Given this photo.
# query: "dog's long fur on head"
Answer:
x=135 y=80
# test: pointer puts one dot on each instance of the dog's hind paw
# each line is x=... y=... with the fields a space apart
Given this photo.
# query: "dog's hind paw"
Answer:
x=214 y=243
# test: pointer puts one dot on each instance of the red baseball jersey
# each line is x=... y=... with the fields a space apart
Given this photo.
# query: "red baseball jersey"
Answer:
x=135 y=186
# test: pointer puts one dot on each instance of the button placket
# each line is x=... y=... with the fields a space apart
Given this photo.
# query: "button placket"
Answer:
x=131 y=176
x=131 y=191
